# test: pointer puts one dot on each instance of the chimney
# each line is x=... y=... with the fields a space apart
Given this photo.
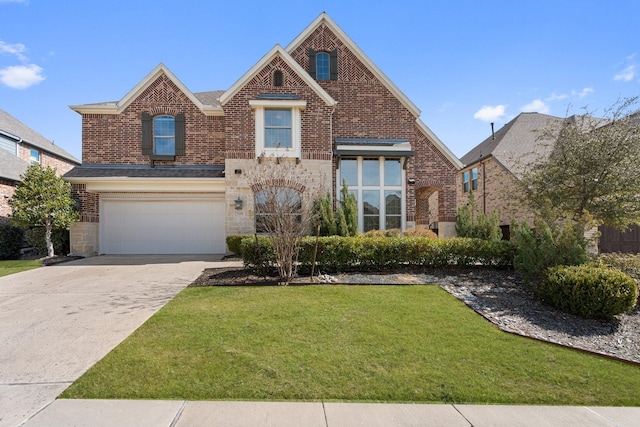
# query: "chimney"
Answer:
x=493 y=134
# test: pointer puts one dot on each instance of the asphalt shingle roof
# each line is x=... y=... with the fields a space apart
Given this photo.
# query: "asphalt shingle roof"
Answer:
x=11 y=166
x=516 y=143
x=145 y=171
x=10 y=124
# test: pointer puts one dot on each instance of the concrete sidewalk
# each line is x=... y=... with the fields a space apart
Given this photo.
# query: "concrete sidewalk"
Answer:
x=177 y=413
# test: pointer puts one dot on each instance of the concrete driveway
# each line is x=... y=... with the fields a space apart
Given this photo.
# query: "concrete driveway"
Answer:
x=57 y=321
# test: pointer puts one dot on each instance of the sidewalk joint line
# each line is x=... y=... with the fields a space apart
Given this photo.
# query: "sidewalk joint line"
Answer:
x=178 y=414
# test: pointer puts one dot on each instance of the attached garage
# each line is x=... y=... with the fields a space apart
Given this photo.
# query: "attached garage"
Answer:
x=153 y=225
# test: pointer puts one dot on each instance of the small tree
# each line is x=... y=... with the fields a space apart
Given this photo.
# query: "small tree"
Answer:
x=350 y=210
x=342 y=222
x=590 y=175
x=283 y=209
x=43 y=199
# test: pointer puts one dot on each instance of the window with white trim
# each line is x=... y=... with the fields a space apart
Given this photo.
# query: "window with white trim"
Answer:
x=377 y=183
x=34 y=156
x=470 y=180
x=278 y=127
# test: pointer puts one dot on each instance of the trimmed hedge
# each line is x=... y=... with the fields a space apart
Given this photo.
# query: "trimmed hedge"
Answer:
x=11 y=239
x=339 y=254
x=589 y=290
x=234 y=241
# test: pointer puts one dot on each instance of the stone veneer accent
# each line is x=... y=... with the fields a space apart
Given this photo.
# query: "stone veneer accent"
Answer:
x=84 y=238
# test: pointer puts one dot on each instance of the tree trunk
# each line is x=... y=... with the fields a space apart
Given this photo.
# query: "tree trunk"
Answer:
x=47 y=238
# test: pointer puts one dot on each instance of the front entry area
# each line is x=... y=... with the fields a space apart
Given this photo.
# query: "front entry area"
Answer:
x=162 y=225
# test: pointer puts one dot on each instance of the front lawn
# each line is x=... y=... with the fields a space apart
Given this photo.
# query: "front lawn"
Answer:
x=353 y=343
x=10 y=267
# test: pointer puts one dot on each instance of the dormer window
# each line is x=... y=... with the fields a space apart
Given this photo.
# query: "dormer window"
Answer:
x=323 y=65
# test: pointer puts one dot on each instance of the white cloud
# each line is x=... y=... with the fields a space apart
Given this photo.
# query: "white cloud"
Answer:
x=15 y=1
x=21 y=76
x=555 y=97
x=627 y=74
x=488 y=113
x=537 y=106
x=13 y=49
x=584 y=92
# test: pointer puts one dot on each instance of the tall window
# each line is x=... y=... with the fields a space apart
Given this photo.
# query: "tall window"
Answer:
x=470 y=180
x=164 y=136
x=34 y=156
x=322 y=66
x=377 y=183
x=277 y=128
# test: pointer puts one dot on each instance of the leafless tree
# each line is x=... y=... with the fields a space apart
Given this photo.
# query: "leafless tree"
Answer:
x=283 y=209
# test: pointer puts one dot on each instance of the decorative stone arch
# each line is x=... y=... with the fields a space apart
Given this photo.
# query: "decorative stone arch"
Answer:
x=279 y=183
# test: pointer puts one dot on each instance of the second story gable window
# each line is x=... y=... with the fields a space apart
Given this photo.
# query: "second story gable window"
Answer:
x=34 y=156
x=163 y=136
x=470 y=180
x=277 y=128
x=323 y=65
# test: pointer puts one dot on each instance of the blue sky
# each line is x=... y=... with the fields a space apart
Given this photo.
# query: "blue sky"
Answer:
x=463 y=63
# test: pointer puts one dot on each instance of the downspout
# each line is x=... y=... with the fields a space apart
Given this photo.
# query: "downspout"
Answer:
x=484 y=190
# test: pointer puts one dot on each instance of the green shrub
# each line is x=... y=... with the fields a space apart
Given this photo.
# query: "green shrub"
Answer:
x=589 y=290
x=471 y=222
x=543 y=247
x=234 y=241
x=627 y=263
x=379 y=253
x=11 y=239
x=421 y=232
x=59 y=237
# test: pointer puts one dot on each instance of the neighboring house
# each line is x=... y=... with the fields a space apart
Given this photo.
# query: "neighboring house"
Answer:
x=21 y=146
x=491 y=169
x=165 y=170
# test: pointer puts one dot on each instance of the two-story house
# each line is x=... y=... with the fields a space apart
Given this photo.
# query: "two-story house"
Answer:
x=164 y=170
x=21 y=146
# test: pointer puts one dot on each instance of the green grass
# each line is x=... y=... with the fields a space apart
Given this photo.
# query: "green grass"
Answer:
x=11 y=267
x=355 y=343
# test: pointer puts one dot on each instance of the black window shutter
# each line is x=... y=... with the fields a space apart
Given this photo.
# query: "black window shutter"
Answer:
x=333 y=64
x=147 y=134
x=179 y=120
x=312 y=63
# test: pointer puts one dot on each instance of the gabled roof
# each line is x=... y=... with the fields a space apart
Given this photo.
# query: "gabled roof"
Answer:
x=516 y=143
x=15 y=128
x=277 y=51
x=11 y=167
x=117 y=107
x=325 y=20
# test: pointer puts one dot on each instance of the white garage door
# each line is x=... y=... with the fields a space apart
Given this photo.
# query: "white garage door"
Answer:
x=176 y=226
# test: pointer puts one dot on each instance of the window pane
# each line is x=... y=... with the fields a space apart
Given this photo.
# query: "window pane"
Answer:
x=392 y=222
x=370 y=172
x=322 y=66
x=277 y=118
x=35 y=156
x=474 y=178
x=371 y=207
x=164 y=126
x=349 y=171
x=393 y=202
x=277 y=138
x=165 y=146
x=392 y=172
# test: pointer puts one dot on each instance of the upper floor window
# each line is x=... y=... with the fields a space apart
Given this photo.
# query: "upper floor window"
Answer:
x=164 y=135
x=34 y=156
x=278 y=127
x=470 y=180
x=323 y=65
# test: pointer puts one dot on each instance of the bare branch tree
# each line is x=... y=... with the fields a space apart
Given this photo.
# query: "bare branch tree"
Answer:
x=283 y=209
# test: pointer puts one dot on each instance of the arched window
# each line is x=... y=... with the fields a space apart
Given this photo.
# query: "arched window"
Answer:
x=164 y=135
x=277 y=210
x=322 y=66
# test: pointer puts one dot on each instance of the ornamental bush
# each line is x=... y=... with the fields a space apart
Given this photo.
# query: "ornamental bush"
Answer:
x=234 y=241
x=588 y=290
x=11 y=239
